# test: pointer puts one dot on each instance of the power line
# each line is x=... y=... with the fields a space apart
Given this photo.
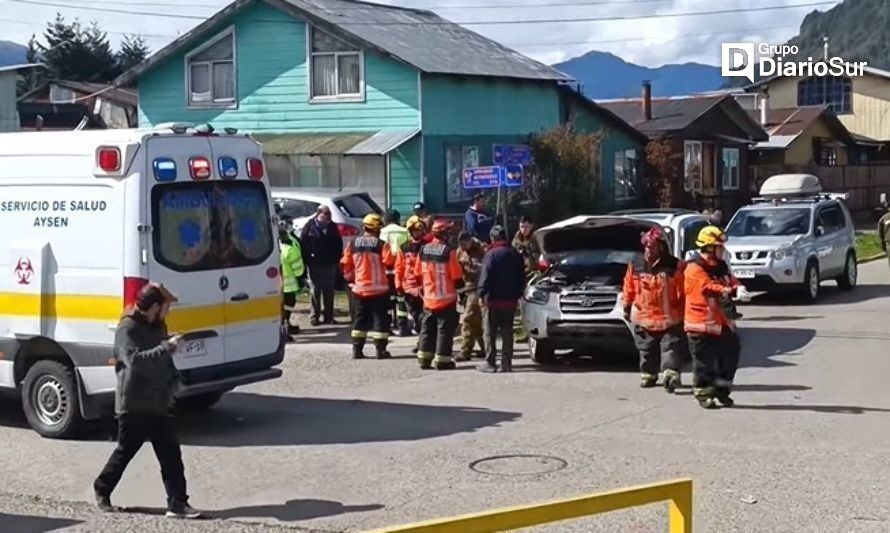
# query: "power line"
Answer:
x=653 y=38
x=113 y=32
x=466 y=23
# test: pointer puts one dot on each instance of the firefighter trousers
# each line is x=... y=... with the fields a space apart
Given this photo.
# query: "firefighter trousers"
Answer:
x=437 y=336
x=715 y=359
x=415 y=310
x=371 y=320
x=659 y=350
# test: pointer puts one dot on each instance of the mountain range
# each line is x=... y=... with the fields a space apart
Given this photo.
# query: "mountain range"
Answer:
x=12 y=53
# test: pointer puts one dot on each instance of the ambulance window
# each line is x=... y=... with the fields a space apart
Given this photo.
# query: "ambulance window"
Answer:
x=211 y=225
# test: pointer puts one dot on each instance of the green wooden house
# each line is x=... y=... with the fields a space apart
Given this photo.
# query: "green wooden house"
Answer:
x=355 y=95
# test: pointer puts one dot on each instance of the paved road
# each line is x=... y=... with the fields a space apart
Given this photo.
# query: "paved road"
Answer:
x=342 y=445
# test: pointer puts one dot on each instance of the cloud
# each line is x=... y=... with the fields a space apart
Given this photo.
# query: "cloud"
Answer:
x=650 y=42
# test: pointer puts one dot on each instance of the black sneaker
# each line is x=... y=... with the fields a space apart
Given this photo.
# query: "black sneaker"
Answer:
x=182 y=511
x=104 y=504
x=725 y=400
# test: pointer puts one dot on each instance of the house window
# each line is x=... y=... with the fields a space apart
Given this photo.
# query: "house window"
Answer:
x=60 y=95
x=211 y=73
x=337 y=70
x=627 y=169
x=730 y=168
x=828 y=156
x=457 y=158
x=692 y=166
x=834 y=92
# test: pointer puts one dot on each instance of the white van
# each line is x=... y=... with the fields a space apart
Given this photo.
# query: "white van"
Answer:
x=87 y=218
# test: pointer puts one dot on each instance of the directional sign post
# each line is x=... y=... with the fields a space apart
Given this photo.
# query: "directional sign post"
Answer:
x=483 y=177
x=513 y=176
x=512 y=154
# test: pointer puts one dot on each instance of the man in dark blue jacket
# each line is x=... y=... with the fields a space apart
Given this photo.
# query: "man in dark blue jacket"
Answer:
x=477 y=222
x=501 y=283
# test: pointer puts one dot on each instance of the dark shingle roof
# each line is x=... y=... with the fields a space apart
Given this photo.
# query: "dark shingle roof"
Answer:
x=668 y=114
x=790 y=122
x=420 y=38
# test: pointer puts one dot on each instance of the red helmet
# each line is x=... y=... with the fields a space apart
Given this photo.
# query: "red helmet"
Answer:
x=442 y=225
x=653 y=238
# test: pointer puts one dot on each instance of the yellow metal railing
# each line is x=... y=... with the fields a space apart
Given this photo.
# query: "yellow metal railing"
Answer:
x=678 y=493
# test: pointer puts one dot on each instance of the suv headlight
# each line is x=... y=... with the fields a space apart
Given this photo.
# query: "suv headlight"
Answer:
x=536 y=295
x=783 y=252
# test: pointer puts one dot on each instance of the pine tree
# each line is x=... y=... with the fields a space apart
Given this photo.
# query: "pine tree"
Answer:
x=133 y=50
x=104 y=63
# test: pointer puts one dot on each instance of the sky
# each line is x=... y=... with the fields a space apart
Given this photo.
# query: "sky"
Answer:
x=645 y=41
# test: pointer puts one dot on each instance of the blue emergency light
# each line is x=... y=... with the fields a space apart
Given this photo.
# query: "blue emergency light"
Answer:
x=228 y=168
x=165 y=169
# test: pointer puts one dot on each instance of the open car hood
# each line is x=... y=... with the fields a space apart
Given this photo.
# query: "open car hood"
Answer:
x=585 y=232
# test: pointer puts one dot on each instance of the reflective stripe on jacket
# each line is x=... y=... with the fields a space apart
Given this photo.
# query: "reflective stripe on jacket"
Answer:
x=291 y=267
x=438 y=269
x=655 y=294
x=364 y=264
x=704 y=285
x=407 y=280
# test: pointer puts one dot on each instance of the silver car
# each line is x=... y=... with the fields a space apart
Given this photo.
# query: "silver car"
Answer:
x=793 y=241
x=575 y=303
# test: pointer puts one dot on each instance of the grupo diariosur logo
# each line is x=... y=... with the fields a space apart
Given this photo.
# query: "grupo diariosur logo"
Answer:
x=738 y=60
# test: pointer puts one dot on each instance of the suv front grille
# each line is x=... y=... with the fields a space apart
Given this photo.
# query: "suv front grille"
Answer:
x=587 y=303
x=751 y=257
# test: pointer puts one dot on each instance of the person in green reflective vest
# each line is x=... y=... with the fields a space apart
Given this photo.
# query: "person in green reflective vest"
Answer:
x=396 y=236
x=293 y=271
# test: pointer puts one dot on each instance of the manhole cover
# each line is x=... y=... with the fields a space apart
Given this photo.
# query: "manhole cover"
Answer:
x=518 y=465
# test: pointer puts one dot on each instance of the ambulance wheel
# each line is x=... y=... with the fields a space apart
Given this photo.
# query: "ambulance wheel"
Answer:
x=199 y=402
x=541 y=351
x=50 y=400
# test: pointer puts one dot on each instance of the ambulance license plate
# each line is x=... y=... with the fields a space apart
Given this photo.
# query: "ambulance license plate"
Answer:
x=193 y=348
x=743 y=274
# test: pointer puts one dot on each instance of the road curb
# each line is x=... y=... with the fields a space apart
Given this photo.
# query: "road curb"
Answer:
x=871 y=258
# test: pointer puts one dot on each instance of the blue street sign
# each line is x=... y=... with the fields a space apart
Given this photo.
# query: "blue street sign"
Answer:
x=513 y=176
x=483 y=177
x=512 y=154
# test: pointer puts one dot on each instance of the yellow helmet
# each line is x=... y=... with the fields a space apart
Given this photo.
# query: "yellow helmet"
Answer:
x=415 y=223
x=372 y=221
x=709 y=236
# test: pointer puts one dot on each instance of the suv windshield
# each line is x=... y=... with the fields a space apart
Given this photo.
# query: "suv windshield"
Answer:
x=357 y=206
x=211 y=225
x=783 y=221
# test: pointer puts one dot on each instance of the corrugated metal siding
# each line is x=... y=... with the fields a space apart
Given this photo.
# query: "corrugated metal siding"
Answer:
x=404 y=177
x=273 y=90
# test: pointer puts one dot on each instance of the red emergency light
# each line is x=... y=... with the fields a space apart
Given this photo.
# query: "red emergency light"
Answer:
x=199 y=168
x=255 y=170
x=108 y=158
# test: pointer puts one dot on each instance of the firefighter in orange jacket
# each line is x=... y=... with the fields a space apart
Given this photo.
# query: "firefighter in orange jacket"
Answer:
x=653 y=303
x=713 y=341
x=364 y=264
x=408 y=284
x=441 y=277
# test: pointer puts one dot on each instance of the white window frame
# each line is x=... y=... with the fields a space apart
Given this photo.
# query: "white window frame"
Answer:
x=728 y=185
x=464 y=150
x=697 y=186
x=212 y=103
x=624 y=194
x=338 y=98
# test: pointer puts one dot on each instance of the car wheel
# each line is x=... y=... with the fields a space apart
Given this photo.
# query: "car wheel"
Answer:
x=847 y=281
x=199 y=402
x=50 y=400
x=541 y=351
x=811 y=283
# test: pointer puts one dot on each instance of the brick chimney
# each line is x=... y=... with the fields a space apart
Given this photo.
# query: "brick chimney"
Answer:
x=647 y=100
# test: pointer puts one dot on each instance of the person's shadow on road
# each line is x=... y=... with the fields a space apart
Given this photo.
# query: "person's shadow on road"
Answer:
x=831 y=409
x=294 y=510
x=34 y=524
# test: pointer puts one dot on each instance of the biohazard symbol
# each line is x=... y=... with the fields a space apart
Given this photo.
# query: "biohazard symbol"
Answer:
x=24 y=271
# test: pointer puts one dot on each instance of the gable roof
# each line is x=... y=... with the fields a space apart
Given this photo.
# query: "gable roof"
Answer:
x=120 y=95
x=785 y=125
x=609 y=116
x=420 y=38
x=668 y=114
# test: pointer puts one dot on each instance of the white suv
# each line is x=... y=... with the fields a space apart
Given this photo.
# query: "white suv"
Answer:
x=347 y=208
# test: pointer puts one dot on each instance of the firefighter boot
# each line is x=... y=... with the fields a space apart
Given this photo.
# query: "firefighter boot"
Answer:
x=647 y=381
x=705 y=397
x=444 y=362
x=358 y=349
x=671 y=380
x=425 y=359
x=380 y=347
x=723 y=397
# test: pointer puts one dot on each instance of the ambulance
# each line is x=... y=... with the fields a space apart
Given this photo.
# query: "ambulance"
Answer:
x=87 y=218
